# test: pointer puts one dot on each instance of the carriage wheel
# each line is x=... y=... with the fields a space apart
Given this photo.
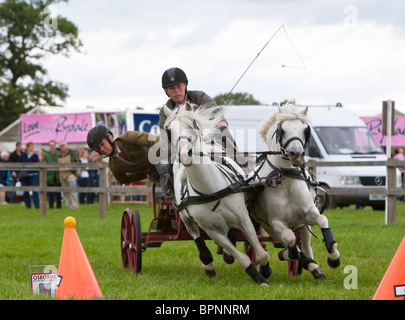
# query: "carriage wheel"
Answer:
x=131 y=240
x=125 y=222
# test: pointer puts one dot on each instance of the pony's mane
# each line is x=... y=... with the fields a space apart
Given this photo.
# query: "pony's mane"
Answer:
x=205 y=117
x=286 y=112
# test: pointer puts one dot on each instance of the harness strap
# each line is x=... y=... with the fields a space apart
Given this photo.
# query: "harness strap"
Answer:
x=275 y=177
x=234 y=187
x=219 y=159
x=218 y=195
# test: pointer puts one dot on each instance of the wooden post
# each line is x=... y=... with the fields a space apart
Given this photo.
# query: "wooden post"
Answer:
x=390 y=182
x=391 y=199
x=102 y=196
x=42 y=192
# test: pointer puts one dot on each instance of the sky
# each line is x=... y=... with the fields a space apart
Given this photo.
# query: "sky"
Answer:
x=319 y=53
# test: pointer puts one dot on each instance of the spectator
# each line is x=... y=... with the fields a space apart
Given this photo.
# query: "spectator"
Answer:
x=15 y=157
x=84 y=179
x=399 y=154
x=16 y=154
x=32 y=178
x=67 y=176
x=52 y=176
x=94 y=175
x=3 y=177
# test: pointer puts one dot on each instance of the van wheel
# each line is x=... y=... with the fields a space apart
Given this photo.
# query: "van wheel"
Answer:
x=378 y=207
x=332 y=203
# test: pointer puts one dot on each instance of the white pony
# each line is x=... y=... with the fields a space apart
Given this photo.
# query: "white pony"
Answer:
x=287 y=204
x=204 y=190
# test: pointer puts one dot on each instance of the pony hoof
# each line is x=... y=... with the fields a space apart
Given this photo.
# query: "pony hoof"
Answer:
x=209 y=270
x=333 y=263
x=220 y=250
x=228 y=258
x=210 y=273
x=265 y=271
x=318 y=274
x=255 y=275
x=261 y=281
x=282 y=255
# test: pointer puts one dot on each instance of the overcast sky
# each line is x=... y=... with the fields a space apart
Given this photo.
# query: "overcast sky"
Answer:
x=351 y=52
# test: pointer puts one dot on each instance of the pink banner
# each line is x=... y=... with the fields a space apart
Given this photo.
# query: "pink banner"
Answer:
x=41 y=128
x=374 y=124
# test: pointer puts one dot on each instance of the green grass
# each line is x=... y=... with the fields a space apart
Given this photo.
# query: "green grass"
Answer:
x=173 y=271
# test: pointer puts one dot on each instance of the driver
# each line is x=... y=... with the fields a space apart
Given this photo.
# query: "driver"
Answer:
x=174 y=83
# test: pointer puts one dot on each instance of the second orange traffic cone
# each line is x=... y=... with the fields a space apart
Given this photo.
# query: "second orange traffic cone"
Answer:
x=78 y=279
x=392 y=285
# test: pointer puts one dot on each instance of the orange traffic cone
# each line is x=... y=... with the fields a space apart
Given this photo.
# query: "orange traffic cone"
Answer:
x=392 y=285
x=78 y=279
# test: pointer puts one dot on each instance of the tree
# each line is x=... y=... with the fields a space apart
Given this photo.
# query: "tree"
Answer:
x=28 y=34
x=238 y=98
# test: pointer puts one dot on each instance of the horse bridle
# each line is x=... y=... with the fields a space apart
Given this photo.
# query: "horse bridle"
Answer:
x=191 y=140
x=283 y=146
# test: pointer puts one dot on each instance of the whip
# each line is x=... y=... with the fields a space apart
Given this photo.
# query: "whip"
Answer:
x=258 y=54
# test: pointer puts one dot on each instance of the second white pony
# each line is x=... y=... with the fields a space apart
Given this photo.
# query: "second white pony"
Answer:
x=287 y=203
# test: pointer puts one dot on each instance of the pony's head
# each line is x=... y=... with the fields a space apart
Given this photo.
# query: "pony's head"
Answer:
x=287 y=130
x=191 y=127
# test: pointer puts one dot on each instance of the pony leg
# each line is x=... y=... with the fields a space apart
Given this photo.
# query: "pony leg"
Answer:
x=205 y=254
x=309 y=264
x=306 y=241
x=331 y=246
x=287 y=238
x=306 y=258
x=330 y=242
x=205 y=257
x=261 y=254
x=242 y=259
x=225 y=255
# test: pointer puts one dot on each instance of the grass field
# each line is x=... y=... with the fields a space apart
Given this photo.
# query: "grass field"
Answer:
x=173 y=271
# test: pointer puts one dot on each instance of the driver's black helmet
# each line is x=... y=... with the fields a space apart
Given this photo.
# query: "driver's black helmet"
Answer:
x=96 y=135
x=173 y=76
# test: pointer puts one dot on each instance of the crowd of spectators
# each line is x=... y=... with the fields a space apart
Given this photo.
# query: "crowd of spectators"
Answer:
x=61 y=153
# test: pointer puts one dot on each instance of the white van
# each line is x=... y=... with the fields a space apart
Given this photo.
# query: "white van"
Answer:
x=336 y=135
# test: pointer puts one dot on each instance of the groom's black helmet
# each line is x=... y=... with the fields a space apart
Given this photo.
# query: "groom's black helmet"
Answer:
x=96 y=135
